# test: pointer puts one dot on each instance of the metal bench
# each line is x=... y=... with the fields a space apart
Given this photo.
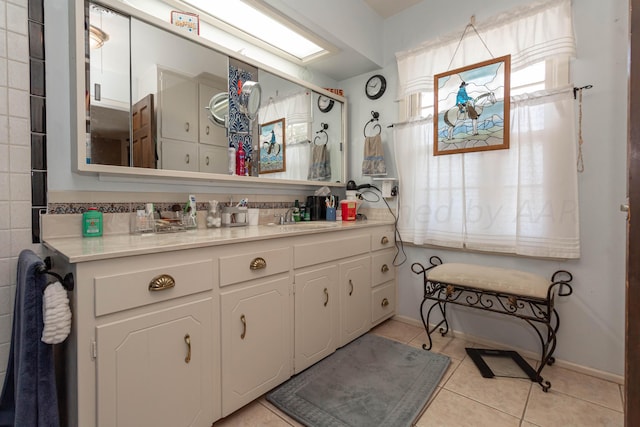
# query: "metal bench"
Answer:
x=527 y=296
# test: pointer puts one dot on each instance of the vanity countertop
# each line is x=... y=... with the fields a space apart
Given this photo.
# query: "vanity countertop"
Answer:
x=79 y=249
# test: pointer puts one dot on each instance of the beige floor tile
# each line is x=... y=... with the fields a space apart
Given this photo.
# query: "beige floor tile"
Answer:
x=555 y=409
x=584 y=387
x=450 y=370
x=505 y=394
x=253 y=415
x=456 y=348
x=397 y=330
x=449 y=409
x=528 y=424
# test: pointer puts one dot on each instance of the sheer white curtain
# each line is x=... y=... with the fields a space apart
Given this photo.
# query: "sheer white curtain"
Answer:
x=529 y=34
x=296 y=110
x=522 y=200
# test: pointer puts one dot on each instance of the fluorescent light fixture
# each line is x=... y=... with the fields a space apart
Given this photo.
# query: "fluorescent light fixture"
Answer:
x=259 y=25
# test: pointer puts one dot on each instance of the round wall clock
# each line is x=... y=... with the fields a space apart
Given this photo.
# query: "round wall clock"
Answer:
x=375 y=87
x=325 y=104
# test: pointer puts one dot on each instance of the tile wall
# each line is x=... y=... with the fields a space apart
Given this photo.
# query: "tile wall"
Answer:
x=20 y=51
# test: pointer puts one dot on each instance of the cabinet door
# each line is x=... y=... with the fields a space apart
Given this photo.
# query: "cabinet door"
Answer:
x=256 y=341
x=316 y=315
x=355 y=297
x=210 y=133
x=213 y=159
x=157 y=369
x=178 y=107
x=178 y=155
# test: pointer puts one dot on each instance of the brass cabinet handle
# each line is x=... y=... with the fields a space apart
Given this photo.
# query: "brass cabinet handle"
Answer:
x=385 y=302
x=207 y=160
x=186 y=159
x=326 y=294
x=384 y=240
x=351 y=289
x=384 y=268
x=187 y=339
x=258 y=264
x=186 y=126
x=207 y=130
x=244 y=326
x=161 y=283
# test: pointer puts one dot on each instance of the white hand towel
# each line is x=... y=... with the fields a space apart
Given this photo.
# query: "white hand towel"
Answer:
x=56 y=314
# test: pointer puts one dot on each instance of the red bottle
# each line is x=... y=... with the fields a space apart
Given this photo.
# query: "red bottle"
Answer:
x=240 y=160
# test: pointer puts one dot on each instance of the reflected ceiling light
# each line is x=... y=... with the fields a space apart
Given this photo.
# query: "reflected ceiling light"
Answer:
x=97 y=37
x=260 y=25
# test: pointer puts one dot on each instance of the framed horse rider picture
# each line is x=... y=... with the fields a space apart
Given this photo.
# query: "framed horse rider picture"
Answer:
x=272 y=149
x=472 y=108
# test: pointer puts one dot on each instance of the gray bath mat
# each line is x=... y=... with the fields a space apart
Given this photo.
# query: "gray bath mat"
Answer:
x=372 y=381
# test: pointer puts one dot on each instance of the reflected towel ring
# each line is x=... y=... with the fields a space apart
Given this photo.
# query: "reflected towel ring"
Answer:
x=322 y=131
x=374 y=118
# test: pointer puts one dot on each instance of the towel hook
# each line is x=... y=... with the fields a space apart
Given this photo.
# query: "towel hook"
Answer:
x=374 y=118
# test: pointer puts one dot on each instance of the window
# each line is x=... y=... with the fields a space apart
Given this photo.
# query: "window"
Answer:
x=521 y=200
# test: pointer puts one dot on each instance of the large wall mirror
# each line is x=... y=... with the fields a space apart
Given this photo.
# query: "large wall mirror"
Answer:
x=160 y=102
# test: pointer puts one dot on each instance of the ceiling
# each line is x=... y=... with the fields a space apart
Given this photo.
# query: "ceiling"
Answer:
x=387 y=8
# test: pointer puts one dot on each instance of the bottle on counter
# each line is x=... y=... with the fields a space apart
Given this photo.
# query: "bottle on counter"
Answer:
x=214 y=216
x=296 y=211
x=231 y=152
x=92 y=223
x=240 y=160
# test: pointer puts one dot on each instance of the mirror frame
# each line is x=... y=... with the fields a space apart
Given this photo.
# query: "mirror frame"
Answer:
x=79 y=164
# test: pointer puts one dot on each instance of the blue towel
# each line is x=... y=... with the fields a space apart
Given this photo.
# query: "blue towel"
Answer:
x=29 y=393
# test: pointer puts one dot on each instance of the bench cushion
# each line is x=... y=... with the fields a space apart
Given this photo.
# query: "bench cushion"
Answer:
x=491 y=279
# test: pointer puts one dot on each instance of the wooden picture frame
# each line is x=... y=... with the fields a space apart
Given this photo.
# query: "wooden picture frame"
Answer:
x=481 y=122
x=272 y=147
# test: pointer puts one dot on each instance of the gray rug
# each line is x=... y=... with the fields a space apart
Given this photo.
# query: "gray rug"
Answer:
x=372 y=381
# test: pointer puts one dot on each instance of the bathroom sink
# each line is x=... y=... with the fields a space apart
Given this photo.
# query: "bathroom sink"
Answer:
x=306 y=225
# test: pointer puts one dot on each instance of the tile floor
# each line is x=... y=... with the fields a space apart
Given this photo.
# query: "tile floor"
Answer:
x=464 y=398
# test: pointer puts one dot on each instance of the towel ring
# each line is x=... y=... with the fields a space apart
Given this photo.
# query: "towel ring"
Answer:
x=374 y=118
x=66 y=281
x=322 y=131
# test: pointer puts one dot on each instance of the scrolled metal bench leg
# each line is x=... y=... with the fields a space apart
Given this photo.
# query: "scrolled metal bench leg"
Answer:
x=443 y=331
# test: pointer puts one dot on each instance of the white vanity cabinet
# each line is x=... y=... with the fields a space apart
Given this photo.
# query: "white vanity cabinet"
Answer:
x=383 y=295
x=256 y=320
x=143 y=347
x=182 y=336
x=325 y=274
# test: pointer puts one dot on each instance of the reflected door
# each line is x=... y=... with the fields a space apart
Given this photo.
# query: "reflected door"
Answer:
x=142 y=122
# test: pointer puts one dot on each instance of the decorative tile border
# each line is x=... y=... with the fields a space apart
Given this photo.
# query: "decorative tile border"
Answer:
x=115 y=207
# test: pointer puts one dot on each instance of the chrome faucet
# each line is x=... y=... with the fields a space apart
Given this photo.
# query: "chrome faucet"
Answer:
x=285 y=218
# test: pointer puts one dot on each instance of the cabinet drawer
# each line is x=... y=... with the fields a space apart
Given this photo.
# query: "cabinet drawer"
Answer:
x=248 y=263
x=328 y=250
x=131 y=287
x=383 y=302
x=382 y=239
x=382 y=269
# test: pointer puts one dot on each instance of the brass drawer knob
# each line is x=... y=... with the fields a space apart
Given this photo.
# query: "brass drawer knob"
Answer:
x=384 y=240
x=384 y=268
x=258 y=264
x=385 y=302
x=161 y=283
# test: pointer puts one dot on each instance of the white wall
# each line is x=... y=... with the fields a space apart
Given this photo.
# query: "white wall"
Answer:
x=592 y=319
